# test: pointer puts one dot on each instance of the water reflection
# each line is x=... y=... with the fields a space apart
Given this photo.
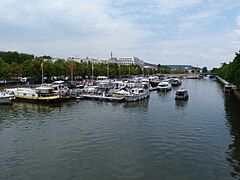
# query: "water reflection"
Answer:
x=38 y=107
x=5 y=107
x=232 y=105
x=163 y=94
x=138 y=104
x=181 y=103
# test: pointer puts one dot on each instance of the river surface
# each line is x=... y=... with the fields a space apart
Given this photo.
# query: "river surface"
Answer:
x=159 y=138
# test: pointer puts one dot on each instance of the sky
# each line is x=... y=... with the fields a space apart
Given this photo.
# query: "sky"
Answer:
x=194 y=32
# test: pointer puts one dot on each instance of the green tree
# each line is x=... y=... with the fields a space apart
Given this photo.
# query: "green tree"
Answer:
x=60 y=68
x=230 y=72
x=4 y=70
x=204 y=70
x=16 y=69
x=48 y=69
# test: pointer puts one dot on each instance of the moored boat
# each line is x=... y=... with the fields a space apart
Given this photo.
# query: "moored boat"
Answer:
x=39 y=94
x=176 y=82
x=164 y=86
x=154 y=81
x=137 y=94
x=103 y=97
x=6 y=98
x=228 y=88
x=133 y=92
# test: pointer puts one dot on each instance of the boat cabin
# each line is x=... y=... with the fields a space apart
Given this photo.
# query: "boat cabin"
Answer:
x=181 y=94
x=101 y=78
x=228 y=88
x=44 y=91
x=137 y=91
x=176 y=82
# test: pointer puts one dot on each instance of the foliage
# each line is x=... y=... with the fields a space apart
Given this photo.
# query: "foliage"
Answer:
x=204 y=70
x=230 y=72
x=13 y=67
x=4 y=70
x=46 y=57
x=10 y=57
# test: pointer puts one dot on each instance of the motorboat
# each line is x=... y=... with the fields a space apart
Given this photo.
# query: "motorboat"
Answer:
x=228 y=88
x=176 y=82
x=137 y=94
x=76 y=92
x=61 y=88
x=133 y=92
x=39 y=94
x=154 y=81
x=6 y=98
x=164 y=86
x=181 y=94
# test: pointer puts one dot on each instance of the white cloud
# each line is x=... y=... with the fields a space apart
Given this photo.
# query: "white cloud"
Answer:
x=238 y=21
x=169 y=6
x=158 y=31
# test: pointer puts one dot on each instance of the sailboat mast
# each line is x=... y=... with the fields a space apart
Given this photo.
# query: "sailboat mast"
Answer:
x=42 y=71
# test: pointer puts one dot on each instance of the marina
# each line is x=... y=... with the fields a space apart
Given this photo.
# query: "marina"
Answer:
x=120 y=90
x=147 y=139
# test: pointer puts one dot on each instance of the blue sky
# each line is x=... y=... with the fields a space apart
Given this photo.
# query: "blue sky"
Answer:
x=196 y=32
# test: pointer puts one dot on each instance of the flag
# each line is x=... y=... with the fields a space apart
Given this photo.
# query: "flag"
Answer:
x=41 y=66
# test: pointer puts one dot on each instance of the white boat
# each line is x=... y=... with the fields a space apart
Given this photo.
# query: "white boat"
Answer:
x=176 y=82
x=228 y=88
x=133 y=94
x=101 y=78
x=77 y=91
x=90 y=89
x=164 y=86
x=137 y=94
x=39 y=94
x=154 y=81
x=6 y=98
x=61 y=88
x=181 y=94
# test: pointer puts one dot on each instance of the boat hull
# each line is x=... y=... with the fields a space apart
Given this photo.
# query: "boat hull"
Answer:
x=164 y=88
x=184 y=98
x=50 y=99
x=135 y=98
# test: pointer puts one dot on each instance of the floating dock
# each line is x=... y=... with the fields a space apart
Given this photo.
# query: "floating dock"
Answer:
x=103 y=98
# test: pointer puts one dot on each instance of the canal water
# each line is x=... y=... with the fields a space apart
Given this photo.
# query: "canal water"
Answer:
x=159 y=138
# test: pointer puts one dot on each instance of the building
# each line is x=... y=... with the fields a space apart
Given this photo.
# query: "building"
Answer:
x=130 y=60
x=117 y=60
x=85 y=60
x=113 y=60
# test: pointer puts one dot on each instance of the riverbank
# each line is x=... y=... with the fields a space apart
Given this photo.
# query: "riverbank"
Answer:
x=226 y=82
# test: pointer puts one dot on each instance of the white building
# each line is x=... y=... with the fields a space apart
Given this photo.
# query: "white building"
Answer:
x=85 y=60
x=119 y=60
x=130 y=60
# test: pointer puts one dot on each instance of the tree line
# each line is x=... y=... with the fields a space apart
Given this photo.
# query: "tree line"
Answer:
x=231 y=71
x=15 y=65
